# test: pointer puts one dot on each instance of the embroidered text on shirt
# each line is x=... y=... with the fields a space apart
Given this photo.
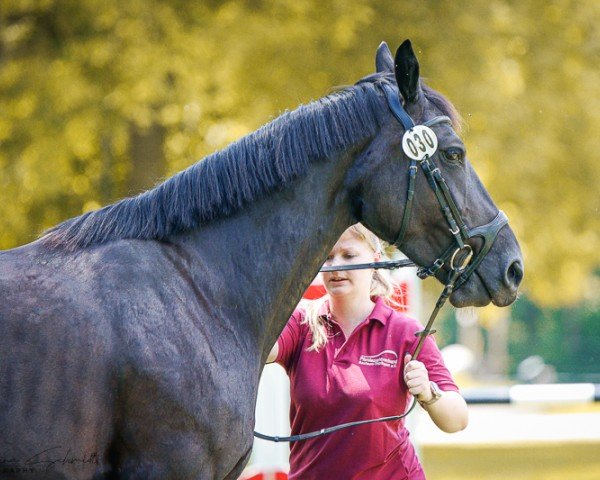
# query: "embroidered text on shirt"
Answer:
x=387 y=358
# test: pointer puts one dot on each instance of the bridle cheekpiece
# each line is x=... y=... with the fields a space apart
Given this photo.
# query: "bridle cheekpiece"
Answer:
x=419 y=143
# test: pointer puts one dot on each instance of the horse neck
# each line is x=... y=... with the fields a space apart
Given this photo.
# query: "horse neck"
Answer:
x=254 y=266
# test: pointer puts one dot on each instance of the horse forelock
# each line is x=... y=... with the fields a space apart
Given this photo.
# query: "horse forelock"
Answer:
x=225 y=181
x=444 y=105
x=435 y=98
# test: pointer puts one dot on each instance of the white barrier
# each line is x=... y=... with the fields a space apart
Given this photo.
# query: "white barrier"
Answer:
x=562 y=393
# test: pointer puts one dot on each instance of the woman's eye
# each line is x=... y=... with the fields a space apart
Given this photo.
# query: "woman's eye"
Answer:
x=454 y=155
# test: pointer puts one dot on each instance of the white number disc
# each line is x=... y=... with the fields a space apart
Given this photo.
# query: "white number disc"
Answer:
x=419 y=142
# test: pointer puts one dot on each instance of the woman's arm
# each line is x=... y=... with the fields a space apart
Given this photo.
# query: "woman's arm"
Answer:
x=273 y=353
x=449 y=412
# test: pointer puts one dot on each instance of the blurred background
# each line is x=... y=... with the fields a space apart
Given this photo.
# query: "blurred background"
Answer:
x=101 y=99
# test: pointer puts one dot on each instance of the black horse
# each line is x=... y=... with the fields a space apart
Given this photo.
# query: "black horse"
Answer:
x=132 y=338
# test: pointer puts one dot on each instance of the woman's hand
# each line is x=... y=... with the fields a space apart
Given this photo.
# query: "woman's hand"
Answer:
x=450 y=412
x=417 y=379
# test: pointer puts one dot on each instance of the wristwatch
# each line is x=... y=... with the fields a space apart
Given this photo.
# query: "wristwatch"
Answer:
x=436 y=394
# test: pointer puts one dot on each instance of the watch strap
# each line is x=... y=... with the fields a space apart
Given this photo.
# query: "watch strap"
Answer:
x=435 y=391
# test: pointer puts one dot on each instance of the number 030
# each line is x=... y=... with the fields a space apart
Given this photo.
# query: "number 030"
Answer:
x=419 y=142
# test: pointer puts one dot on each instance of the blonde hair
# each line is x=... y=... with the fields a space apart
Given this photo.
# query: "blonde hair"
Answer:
x=381 y=286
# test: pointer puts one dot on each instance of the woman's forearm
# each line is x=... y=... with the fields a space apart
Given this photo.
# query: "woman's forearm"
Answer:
x=449 y=413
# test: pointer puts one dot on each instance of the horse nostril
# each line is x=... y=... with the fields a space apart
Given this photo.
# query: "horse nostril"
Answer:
x=514 y=274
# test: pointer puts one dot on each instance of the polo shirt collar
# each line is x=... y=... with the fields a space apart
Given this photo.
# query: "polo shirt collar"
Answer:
x=380 y=312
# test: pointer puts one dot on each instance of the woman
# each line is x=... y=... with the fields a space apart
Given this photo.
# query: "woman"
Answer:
x=347 y=359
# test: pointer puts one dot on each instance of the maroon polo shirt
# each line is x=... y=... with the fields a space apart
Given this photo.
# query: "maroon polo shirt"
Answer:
x=352 y=379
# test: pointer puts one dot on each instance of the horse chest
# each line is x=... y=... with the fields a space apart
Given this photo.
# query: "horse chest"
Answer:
x=198 y=403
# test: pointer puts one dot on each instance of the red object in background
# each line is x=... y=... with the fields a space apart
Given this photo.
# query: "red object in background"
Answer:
x=314 y=291
x=400 y=297
x=265 y=476
x=399 y=302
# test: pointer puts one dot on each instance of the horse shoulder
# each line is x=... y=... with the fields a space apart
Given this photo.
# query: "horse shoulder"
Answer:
x=183 y=372
x=55 y=358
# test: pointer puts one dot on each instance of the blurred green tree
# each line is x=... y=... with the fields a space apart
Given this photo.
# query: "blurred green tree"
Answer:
x=101 y=98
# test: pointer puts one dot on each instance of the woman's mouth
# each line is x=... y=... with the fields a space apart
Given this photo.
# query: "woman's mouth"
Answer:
x=338 y=280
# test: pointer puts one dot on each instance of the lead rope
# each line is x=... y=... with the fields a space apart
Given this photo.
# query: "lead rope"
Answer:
x=422 y=335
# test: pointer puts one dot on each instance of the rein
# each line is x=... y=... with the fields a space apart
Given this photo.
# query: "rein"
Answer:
x=419 y=143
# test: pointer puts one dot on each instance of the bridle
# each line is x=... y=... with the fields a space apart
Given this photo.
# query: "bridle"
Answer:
x=420 y=145
x=459 y=230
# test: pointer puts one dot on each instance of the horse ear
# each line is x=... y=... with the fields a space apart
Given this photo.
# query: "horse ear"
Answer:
x=407 y=71
x=383 y=60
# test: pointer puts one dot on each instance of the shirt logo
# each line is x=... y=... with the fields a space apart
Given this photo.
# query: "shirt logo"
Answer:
x=387 y=358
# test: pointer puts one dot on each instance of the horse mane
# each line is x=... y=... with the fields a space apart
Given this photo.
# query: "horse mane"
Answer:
x=227 y=180
x=443 y=105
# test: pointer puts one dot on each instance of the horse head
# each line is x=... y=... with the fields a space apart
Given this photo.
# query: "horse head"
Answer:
x=430 y=227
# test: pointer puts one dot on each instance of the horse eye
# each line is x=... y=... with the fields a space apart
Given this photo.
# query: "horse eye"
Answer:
x=454 y=155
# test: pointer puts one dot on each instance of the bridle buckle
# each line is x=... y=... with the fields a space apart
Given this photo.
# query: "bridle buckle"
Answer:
x=464 y=262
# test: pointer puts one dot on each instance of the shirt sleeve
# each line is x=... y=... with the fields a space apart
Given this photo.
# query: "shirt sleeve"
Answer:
x=432 y=358
x=290 y=340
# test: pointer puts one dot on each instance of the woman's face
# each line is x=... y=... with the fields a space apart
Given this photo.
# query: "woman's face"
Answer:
x=349 y=250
